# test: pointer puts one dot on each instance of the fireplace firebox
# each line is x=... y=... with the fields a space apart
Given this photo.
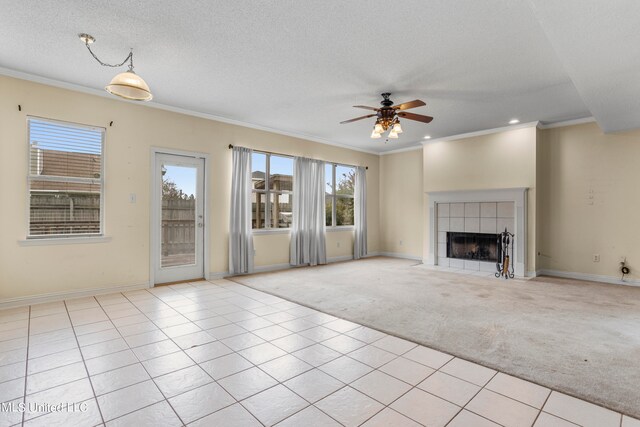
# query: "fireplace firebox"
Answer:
x=473 y=246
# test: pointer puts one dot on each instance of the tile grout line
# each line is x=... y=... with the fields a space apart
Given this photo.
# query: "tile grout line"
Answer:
x=83 y=361
x=377 y=369
x=253 y=365
x=234 y=279
x=360 y=325
x=464 y=407
x=258 y=367
x=145 y=368
x=541 y=407
x=230 y=300
x=345 y=385
x=213 y=379
x=26 y=367
x=196 y=364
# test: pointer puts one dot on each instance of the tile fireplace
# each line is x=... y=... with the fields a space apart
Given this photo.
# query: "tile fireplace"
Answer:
x=464 y=228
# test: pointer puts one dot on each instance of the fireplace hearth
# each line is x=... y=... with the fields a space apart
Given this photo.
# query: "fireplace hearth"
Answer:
x=473 y=246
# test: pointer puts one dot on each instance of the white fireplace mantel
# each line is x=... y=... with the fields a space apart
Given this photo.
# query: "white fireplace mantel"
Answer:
x=516 y=195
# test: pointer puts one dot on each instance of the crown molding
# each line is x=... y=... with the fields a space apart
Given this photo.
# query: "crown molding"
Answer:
x=483 y=132
x=91 y=91
x=97 y=92
x=566 y=123
x=401 y=150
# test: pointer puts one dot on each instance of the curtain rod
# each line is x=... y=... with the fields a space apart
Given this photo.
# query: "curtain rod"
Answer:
x=289 y=155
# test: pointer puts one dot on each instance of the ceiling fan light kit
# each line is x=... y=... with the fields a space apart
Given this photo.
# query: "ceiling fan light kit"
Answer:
x=127 y=85
x=388 y=116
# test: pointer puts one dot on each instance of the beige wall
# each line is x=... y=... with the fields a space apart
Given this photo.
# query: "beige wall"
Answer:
x=401 y=195
x=583 y=199
x=589 y=200
x=500 y=160
x=36 y=270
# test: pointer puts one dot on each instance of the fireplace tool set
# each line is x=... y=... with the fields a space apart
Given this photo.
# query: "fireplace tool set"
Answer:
x=504 y=266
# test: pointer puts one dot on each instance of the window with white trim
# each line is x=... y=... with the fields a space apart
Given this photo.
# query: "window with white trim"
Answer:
x=272 y=191
x=340 y=182
x=65 y=179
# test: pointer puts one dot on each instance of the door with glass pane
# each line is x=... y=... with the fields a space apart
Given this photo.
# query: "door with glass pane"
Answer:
x=179 y=218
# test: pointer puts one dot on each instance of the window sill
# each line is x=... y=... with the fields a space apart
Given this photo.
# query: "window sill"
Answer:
x=261 y=231
x=340 y=228
x=64 y=241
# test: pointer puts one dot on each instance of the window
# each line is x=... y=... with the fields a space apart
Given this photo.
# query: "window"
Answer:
x=272 y=187
x=340 y=182
x=65 y=179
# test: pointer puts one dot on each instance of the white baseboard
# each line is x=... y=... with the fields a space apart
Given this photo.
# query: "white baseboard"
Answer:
x=533 y=274
x=400 y=255
x=339 y=259
x=272 y=267
x=216 y=275
x=589 y=277
x=64 y=295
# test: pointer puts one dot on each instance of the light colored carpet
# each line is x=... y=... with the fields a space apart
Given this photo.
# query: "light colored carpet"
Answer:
x=581 y=338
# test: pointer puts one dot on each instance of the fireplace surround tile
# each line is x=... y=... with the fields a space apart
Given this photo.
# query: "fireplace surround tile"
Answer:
x=488 y=225
x=443 y=210
x=488 y=210
x=488 y=267
x=456 y=224
x=456 y=263
x=503 y=223
x=442 y=248
x=472 y=225
x=456 y=210
x=443 y=224
x=505 y=210
x=472 y=210
x=471 y=265
x=477 y=211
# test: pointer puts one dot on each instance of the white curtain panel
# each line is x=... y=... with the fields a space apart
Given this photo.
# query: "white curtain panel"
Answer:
x=240 y=237
x=308 y=243
x=360 y=214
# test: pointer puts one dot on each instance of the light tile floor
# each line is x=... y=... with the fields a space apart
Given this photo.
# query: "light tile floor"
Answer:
x=219 y=353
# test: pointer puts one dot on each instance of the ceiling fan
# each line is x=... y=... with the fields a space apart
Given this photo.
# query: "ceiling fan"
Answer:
x=388 y=116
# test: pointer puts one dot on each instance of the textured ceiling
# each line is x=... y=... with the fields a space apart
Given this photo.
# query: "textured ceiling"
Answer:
x=298 y=66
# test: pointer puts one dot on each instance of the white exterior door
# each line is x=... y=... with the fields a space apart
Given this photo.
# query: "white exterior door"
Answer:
x=178 y=218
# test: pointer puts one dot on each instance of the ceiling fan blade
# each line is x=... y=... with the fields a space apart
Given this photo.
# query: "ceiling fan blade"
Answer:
x=417 y=117
x=358 y=118
x=407 y=105
x=365 y=107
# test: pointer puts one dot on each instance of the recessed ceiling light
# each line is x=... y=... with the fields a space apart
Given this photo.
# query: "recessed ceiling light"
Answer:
x=514 y=121
x=427 y=137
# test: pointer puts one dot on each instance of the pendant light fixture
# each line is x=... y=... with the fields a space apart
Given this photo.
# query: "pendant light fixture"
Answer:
x=127 y=85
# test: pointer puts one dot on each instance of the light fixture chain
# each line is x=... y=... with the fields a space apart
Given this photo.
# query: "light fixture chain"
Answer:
x=129 y=58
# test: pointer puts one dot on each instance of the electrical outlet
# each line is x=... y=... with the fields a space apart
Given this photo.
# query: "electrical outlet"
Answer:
x=132 y=197
x=338 y=244
x=400 y=242
x=596 y=257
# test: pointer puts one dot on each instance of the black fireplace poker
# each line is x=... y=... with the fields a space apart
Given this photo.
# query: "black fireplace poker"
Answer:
x=504 y=266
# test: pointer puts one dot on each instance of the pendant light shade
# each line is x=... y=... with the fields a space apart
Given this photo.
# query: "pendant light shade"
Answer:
x=129 y=85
